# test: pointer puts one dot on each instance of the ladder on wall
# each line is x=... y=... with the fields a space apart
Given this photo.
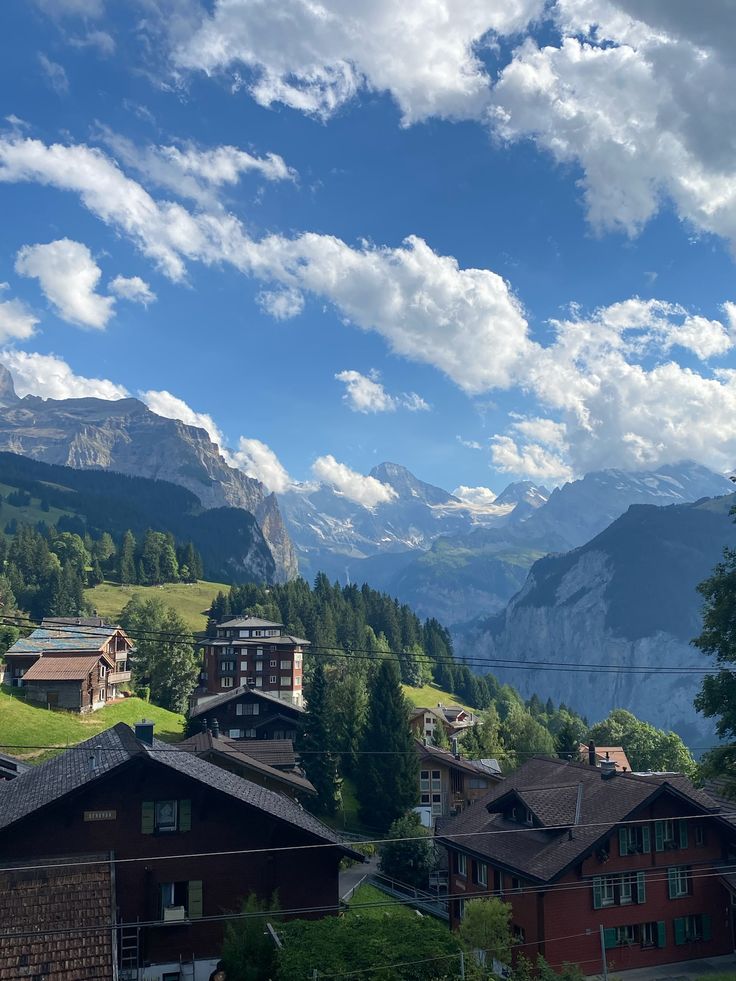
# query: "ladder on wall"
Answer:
x=129 y=951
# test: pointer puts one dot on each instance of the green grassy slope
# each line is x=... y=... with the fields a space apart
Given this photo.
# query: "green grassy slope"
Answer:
x=429 y=695
x=25 y=725
x=29 y=515
x=190 y=600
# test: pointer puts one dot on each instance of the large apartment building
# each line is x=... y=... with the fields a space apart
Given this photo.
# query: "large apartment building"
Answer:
x=249 y=651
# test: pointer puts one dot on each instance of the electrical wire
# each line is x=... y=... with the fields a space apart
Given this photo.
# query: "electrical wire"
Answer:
x=365 y=653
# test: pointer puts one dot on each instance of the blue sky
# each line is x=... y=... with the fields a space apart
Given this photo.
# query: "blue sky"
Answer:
x=562 y=172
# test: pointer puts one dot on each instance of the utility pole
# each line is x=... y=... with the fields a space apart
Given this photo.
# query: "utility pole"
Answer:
x=462 y=965
x=603 y=953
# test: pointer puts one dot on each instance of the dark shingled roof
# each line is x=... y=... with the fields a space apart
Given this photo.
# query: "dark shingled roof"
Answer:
x=71 y=770
x=549 y=787
x=209 y=702
x=432 y=754
x=236 y=753
x=283 y=640
x=50 y=899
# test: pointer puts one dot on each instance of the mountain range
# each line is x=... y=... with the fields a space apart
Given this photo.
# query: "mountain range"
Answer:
x=625 y=600
x=125 y=436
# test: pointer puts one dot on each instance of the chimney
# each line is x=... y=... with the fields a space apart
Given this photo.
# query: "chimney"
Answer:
x=215 y=728
x=144 y=732
x=205 y=724
x=608 y=769
x=591 y=754
x=455 y=750
x=95 y=758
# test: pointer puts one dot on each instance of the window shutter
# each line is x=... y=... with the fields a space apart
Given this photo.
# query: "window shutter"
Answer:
x=609 y=938
x=683 y=834
x=597 y=893
x=194 y=906
x=641 y=889
x=658 y=836
x=185 y=815
x=661 y=934
x=679 y=925
x=623 y=842
x=707 y=932
x=646 y=839
x=672 y=882
x=148 y=817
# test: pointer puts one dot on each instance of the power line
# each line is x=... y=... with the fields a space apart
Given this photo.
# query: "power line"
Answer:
x=367 y=654
x=226 y=853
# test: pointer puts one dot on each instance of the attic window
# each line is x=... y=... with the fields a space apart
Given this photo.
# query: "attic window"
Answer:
x=522 y=815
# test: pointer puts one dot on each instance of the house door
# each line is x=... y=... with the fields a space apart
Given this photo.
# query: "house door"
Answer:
x=52 y=699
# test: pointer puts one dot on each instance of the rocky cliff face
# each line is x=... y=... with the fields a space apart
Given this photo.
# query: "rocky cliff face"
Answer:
x=125 y=436
x=625 y=599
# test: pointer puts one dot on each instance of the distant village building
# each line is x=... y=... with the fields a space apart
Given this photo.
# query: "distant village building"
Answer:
x=10 y=767
x=448 y=784
x=616 y=754
x=122 y=829
x=247 y=713
x=75 y=663
x=573 y=847
x=455 y=720
x=254 y=652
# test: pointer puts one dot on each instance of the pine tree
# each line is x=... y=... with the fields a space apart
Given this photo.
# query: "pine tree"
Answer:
x=315 y=743
x=126 y=564
x=388 y=773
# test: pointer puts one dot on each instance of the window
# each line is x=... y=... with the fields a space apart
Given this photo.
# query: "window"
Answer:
x=249 y=733
x=259 y=682
x=234 y=733
x=670 y=834
x=226 y=682
x=604 y=891
x=424 y=779
x=436 y=803
x=522 y=815
x=286 y=665
x=259 y=652
x=180 y=900
x=227 y=665
x=480 y=873
x=461 y=864
x=678 y=881
x=259 y=666
x=272 y=680
x=690 y=929
x=165 y=816
x=103 y=670
x=515 y=884
x=247 y=708
x=286 y=681
x=477 y=783
x=436 y=780
x=634 y=840
x=165 y=819
x=652 y=934
x=608 y=890
x=273 y=662
x=699 y=835
x=518 y=933
x=425 y=800
x=625 y=936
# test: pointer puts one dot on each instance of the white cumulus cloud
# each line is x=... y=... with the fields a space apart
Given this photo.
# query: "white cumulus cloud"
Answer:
x=132 y=288
x=284 y=304
x=17 y=321
x=478 y=496
x=68 y=276
x=258 y=460
x=530 y=460
x=355 y=486
x=365 y=393
x=51 y=377
x=315 y=57
x=169 y=406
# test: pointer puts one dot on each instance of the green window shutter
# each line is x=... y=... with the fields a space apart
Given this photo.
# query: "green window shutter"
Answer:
x=683 y=834
x=658 y=836
x=609 y=938
x=646 y=839
x=597 y=893
x=148 y=817
x=679 y=925
x=707 y=931
x=641 y=889
x=623 y=842
x=194 y=908
x=672 y=882
x=185 y=815
x=661 y=934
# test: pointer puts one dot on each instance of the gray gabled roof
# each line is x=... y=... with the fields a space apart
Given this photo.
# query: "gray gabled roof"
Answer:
x=249 y=622
x=209 y=702
x=71 y=770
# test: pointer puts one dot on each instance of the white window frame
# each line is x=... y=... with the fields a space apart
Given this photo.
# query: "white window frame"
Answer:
x=285 y=681
x=173 y=824
x=462 y=864
x=273 y=679
x=227 y=683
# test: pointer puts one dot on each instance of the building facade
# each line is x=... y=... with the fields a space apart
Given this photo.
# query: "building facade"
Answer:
x=247 y=713
x=76 y=663
x=161 y=813
x=448 y=784
x=644 y=857
x=257 y=653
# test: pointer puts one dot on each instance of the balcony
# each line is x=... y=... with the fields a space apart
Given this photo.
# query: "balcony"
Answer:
x=118 y=677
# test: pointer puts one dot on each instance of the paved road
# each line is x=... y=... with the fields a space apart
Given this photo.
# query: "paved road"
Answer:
x=350 y=878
